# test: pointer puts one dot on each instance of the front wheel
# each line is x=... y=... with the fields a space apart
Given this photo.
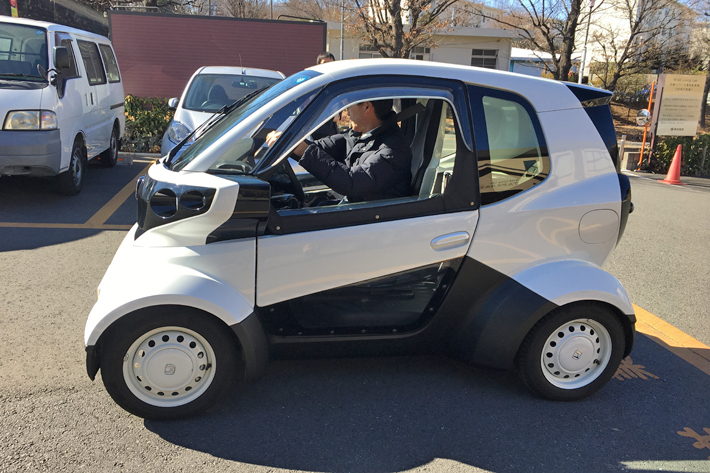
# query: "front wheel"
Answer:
x=71 y=181
x=572 y=353
x=169 y=365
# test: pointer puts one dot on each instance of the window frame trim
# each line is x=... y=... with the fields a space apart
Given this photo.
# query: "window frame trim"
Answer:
x=103 y=70
x=476 y=93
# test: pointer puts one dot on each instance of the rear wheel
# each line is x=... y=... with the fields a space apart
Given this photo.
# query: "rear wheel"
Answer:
x=573 y=352
x=109 y=158
x=71 y=181
x=168 y=366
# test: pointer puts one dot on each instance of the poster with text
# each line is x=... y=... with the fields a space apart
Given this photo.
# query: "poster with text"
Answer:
x=680 y=105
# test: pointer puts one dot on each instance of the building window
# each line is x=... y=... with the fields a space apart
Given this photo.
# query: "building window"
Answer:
x=487 y=58
x=368 y=51
x=420 y=53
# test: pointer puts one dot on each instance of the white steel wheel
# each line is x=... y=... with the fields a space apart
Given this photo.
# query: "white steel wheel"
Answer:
x=572 y=352
x=168 y=362
x=169 y=366
x=576 y=354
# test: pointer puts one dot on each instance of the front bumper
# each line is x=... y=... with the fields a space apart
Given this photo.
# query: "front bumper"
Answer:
x=30 y=153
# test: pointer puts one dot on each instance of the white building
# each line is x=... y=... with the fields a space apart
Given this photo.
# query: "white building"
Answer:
x=672 y=22
x=483 y=47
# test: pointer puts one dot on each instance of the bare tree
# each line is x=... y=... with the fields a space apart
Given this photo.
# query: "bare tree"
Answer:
x=328 y=10
x=702 y=46
x=245 y=8
x=395 y=27
x=549 y=26
x=637 y=35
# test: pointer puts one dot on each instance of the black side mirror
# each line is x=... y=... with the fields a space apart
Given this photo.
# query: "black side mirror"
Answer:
x=61 y=57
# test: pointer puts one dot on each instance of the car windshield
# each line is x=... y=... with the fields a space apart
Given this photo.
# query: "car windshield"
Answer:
x=22 y=49
x=232 y=119
x=210 y=92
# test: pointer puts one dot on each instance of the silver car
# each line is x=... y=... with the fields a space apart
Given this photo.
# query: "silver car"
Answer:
x=209 y=89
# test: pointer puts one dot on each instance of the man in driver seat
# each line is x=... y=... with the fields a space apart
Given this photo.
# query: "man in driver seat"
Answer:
x=370 y=162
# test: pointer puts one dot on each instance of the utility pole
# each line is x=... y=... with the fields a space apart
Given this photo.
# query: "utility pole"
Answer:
x=342 y=28
x=584 y=51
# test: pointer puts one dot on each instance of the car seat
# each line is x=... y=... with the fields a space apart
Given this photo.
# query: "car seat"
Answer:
x=216 y=97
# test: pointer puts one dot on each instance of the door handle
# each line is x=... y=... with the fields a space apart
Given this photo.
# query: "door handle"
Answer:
x=452 y=240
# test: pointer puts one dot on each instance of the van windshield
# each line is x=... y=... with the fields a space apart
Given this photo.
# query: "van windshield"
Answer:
x=22 y=49
x=210 y=92
x=236 y=116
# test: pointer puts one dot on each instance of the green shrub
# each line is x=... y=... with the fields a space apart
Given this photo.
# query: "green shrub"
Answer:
x=691 y=154
x=146 y=122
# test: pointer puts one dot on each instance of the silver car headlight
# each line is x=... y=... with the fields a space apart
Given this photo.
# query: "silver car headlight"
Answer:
x=177 y=131
x=30 y=120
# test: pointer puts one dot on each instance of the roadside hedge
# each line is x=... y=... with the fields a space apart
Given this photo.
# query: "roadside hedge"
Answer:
x=146 y=122
x=692 y=152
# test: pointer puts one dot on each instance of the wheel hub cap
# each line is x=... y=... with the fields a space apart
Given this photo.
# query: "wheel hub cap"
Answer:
x=169 y=366
x=576 y=353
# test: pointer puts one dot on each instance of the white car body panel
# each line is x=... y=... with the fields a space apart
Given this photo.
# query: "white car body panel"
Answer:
x=563 y=282
x=542 y=224
x=218 y=279
x=291 y=266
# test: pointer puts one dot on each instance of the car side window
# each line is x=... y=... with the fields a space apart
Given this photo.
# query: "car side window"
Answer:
x=110 y=63
x=71 y=71
x=92 y=62
x=511 y=149
x=428 y=125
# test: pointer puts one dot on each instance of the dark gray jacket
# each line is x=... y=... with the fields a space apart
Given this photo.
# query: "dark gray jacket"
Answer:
x=373 y=166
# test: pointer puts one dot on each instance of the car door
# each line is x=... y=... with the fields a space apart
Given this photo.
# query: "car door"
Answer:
x=93 y=120
x=71 y=103
x=380 y=265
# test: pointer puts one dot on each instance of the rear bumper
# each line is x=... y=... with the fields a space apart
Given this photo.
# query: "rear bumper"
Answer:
x=30 y=153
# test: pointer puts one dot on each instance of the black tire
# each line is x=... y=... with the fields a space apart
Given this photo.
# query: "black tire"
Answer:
x=170 y=344
x=71 y=181
x=109 y=157
x=572 y=352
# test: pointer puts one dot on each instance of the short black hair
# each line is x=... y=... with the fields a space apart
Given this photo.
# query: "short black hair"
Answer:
x=383 y=108
x=324 y=55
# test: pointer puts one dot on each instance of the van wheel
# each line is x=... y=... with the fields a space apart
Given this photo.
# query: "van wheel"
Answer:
x=109 y=158
x=572 y=353
x=71 y=181
x=168 y=366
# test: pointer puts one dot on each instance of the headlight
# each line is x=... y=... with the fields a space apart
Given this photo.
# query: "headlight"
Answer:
x=177 y=132
x=31 y=120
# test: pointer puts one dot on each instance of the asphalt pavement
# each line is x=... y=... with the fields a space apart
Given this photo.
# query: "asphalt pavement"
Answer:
x=423 y=414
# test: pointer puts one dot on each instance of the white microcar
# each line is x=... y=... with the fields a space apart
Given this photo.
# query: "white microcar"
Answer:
x=494 y=258
x=61 y=102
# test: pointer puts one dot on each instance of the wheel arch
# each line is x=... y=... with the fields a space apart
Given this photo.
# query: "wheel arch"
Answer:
x=494 y=326
x=248 y=334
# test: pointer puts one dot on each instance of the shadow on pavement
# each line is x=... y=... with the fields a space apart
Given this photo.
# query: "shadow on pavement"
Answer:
x=378 y=415
x=25 y=200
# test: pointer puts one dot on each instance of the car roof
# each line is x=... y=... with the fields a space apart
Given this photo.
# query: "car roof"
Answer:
x=246 y=71
x=543 y=94
x=53 y=27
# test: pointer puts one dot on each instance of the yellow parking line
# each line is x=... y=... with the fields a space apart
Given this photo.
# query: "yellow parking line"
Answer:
x=64 y=225
x=676 y=341
x=105 y=212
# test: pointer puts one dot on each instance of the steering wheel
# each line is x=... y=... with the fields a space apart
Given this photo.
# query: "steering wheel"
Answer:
x=295 y=184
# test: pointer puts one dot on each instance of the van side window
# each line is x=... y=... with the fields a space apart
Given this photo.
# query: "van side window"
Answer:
x=511 y=149
x=70 y=72
x=92 y=62
x=5 y=44
x=110 y=63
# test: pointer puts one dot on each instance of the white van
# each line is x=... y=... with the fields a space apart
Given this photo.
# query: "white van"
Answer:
x=57 y=111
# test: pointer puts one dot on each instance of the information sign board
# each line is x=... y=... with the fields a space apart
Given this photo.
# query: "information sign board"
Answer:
x=681 y=99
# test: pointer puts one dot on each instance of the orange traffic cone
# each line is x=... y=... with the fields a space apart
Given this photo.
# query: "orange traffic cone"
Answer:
x=673 y=176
